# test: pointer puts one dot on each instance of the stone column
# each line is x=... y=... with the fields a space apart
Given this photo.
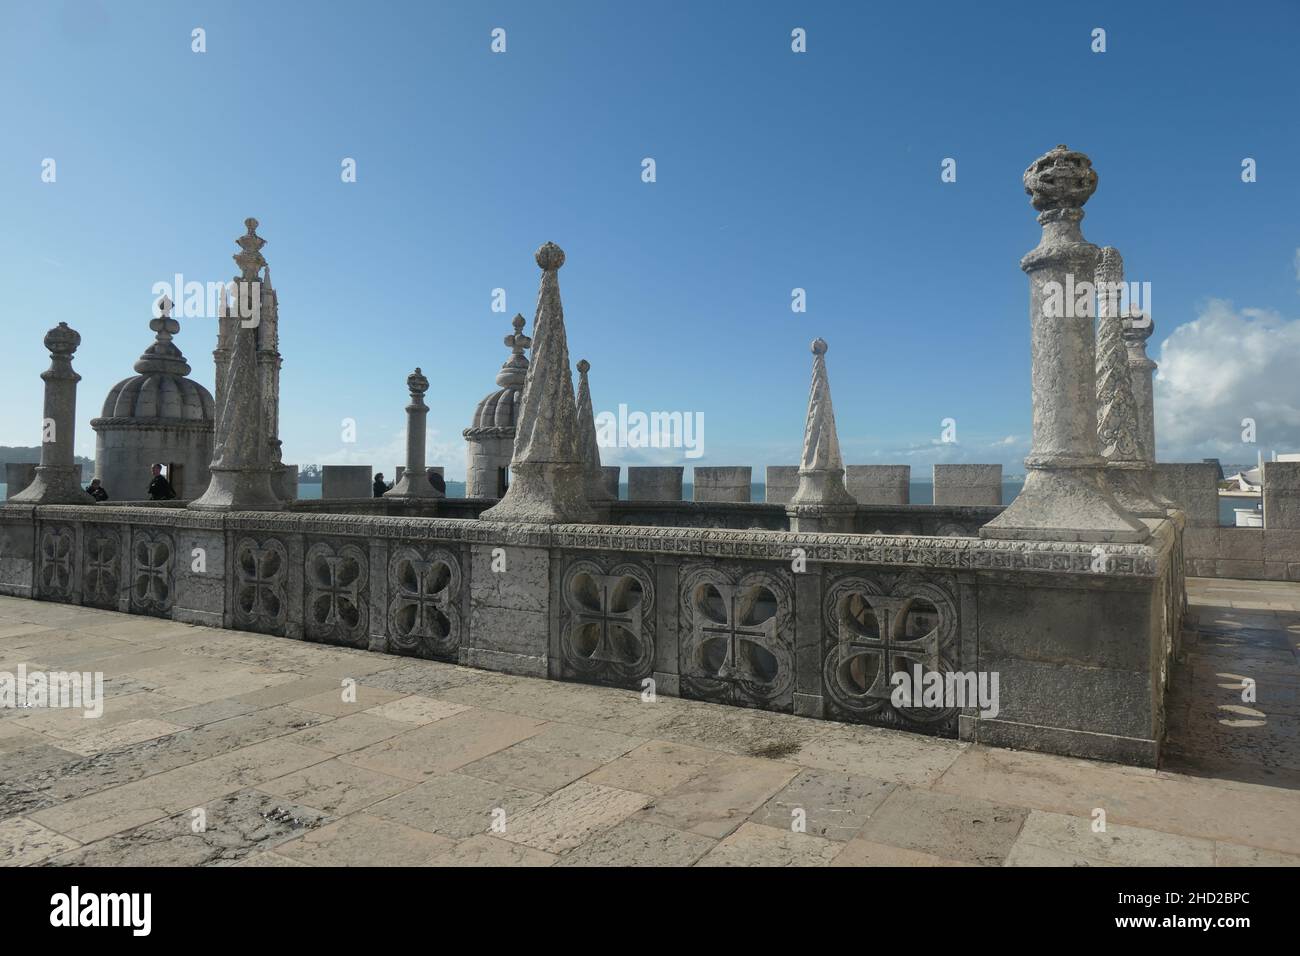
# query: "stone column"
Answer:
x=597 y=487
x=821 y=502
x=549 y=476
x=1065 y=497
x=414 y=483
x=1127 y=473
x=56 y=476
x=1137 y=329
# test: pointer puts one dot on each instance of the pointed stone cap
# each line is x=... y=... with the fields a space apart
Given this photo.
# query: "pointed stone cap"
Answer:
x=163 y=355
x=515 y=369
x=821 y=444
x=249 y=258
x=1061 y=178
x=590 y=448
x=546 y=430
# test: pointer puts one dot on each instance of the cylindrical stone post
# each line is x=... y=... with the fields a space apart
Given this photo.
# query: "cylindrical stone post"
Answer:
x=414 y=483
x=1065 y=497
x=56 y=476
x=1141 y=368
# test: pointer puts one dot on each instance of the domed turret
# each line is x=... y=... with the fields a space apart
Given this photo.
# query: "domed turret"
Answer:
x=157 y=416
x=491 y=437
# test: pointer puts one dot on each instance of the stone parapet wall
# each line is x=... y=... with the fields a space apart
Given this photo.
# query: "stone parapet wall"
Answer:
x=1270 y=553
x=795 y=622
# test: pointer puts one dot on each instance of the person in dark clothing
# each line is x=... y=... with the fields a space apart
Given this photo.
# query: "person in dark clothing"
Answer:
x=160 y=489
x=435 y=479
x=96 y=490
x=380 y=487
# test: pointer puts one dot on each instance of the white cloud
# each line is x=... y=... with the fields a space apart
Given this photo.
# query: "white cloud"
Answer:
x=1224 y=366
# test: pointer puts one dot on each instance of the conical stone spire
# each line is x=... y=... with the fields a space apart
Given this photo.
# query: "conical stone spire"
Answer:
x=547 y=466
x=1127 y=473
x=821 y=502
x=594 y=479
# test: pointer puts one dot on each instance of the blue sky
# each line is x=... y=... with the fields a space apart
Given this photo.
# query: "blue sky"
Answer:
x=775 y=170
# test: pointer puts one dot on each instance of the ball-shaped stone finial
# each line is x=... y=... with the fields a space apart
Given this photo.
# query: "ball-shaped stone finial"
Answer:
x=251 y=225
x=819 y=346
x=550 y=257
x=1061 y=178
x=62 y=339
x=417 y=383
x=583 y=366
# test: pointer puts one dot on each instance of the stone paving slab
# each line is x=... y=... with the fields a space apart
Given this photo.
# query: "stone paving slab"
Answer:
x=304 y=754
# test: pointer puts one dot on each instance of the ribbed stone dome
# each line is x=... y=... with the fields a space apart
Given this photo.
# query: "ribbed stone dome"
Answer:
x=498 y=409
x=160 y=389
x=159 y=395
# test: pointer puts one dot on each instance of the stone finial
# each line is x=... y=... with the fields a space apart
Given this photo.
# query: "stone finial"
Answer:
x=417 y=383
x=821 y=502
x=249 y=258
x=515 y=369
x=162 y=355
x=62 y=340
x=549 y=256
x=583 y=367
x=1062 y=178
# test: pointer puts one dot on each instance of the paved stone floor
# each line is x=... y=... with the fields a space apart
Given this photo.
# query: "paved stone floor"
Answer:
x=253 y=732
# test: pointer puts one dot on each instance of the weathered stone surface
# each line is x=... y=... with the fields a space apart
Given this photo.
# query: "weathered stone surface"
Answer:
x=722 y=483
x=1065 y=496
x=549 y=474
x=654 y=483
x=346 y=481
x=879 y=484
x=1282 y=495
x=781 y=483
x=246 y=446
x=946 y=826
x=571 y=816
x=967 y=484
x=1193 y=487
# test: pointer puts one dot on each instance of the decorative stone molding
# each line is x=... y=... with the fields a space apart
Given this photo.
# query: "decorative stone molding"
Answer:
x=260 y=571
x=337 y=597
x=153 y=572
x=737 y=636
x=875 y=623
x=424 y=614
x=101 y=576
x=56 y=563
x=607 y=620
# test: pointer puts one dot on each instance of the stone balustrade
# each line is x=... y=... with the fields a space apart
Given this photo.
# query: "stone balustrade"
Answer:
x=795 y=622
